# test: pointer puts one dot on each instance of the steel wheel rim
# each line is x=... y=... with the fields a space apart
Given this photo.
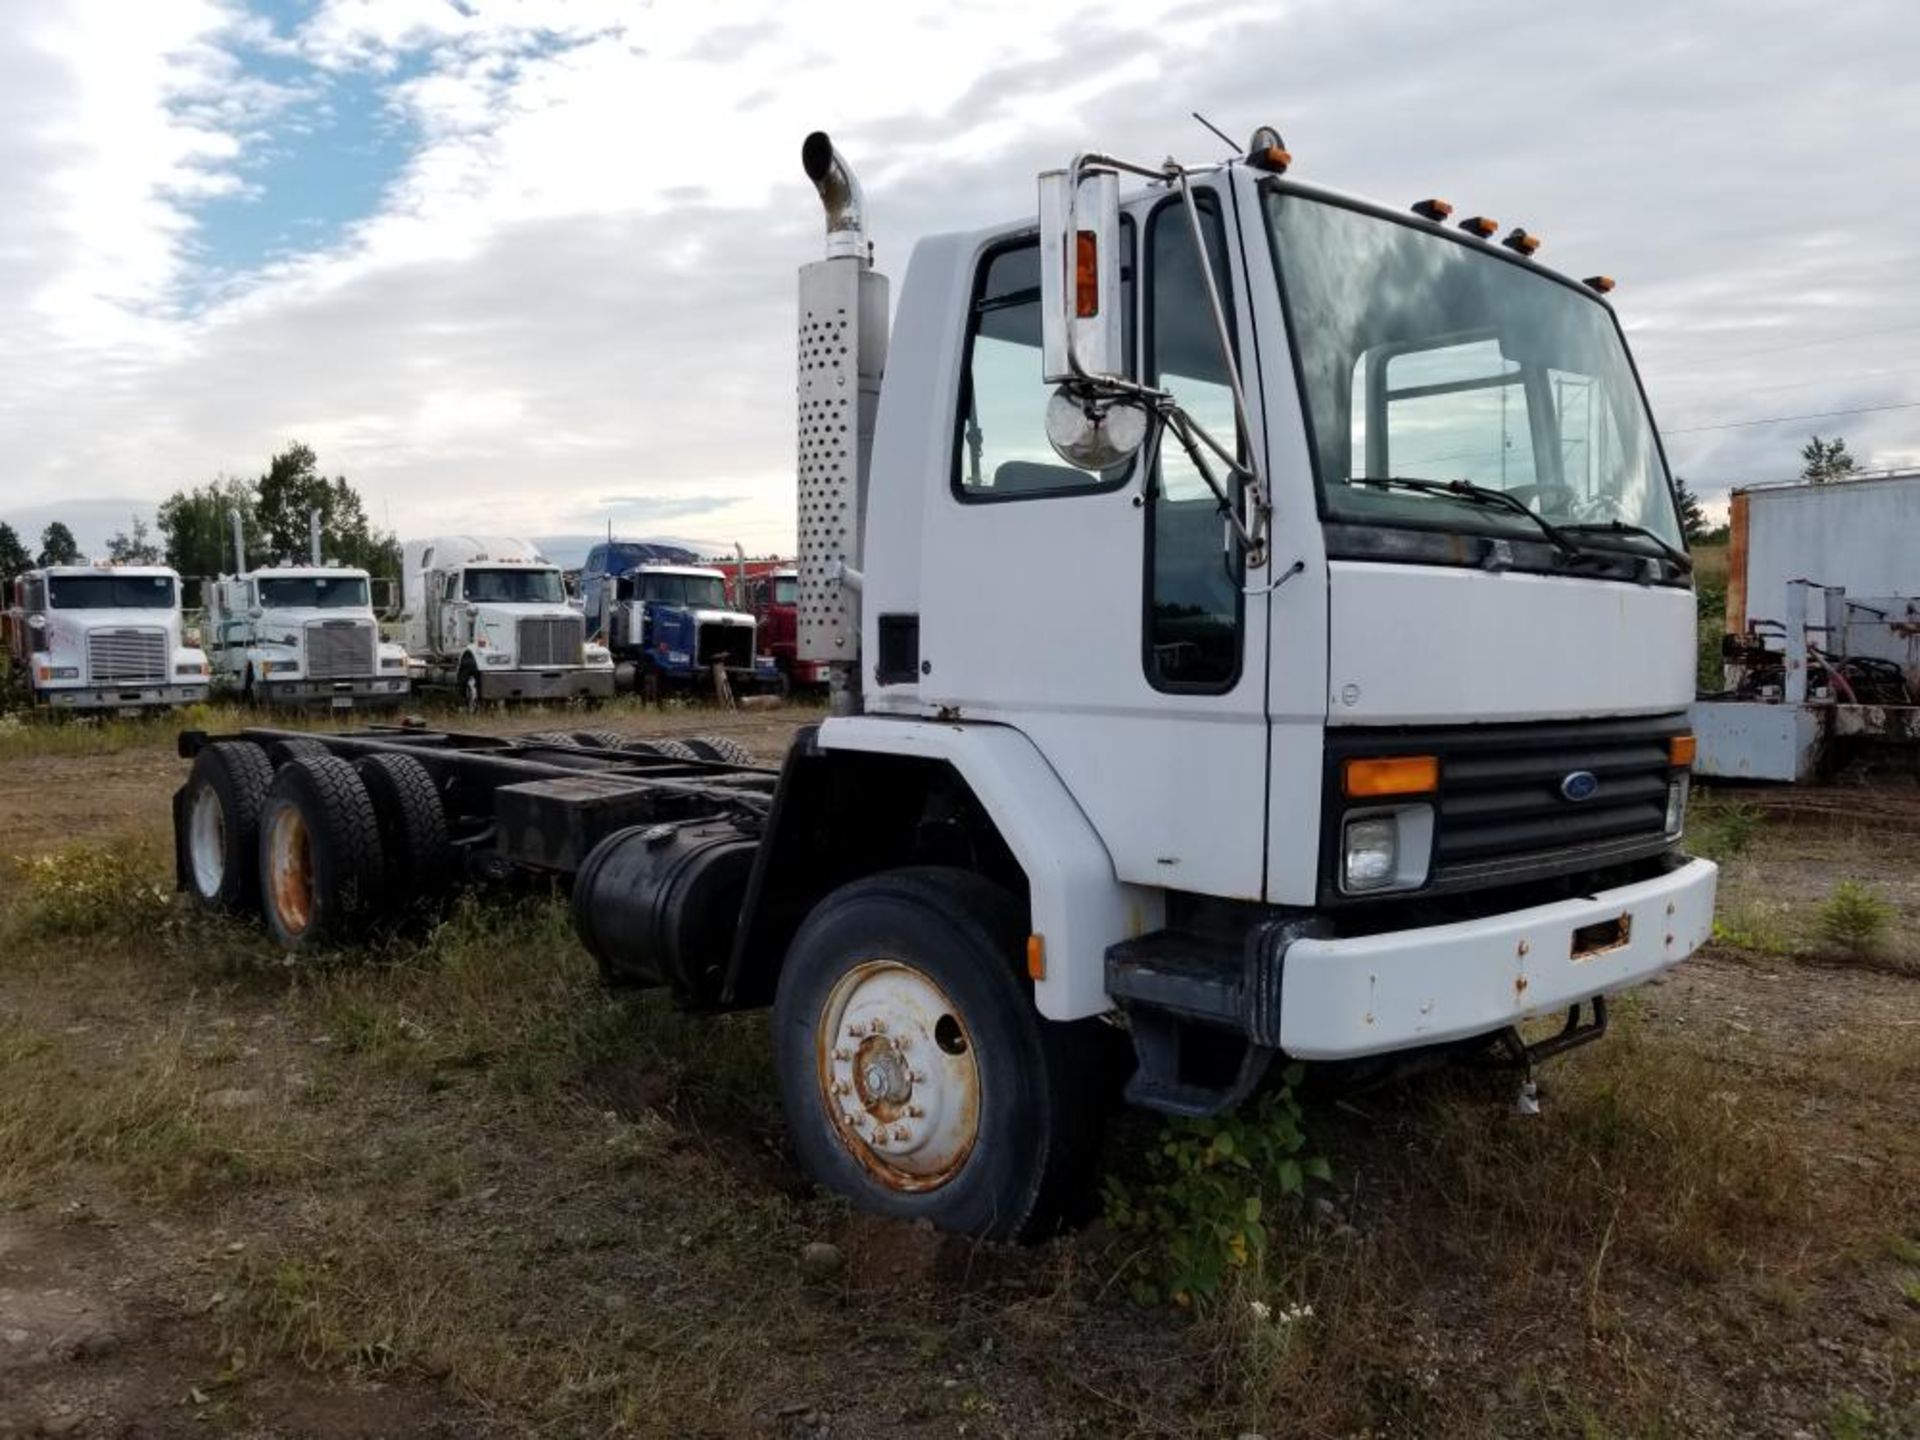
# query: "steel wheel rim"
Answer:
x=207 y=842
x=290 y=869
x=898 y=1075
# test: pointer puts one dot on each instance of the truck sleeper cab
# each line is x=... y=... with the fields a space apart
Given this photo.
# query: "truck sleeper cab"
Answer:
x=303 y=635
x=103 y=637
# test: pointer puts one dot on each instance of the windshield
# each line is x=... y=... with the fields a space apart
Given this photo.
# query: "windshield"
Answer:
x=110 y=592
x=706 y=590
x=786 y=589
x=514 y=587
x=1430 y=359
x=321 y=592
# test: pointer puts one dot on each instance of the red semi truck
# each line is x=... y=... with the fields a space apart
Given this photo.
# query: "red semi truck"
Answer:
x=766 y=589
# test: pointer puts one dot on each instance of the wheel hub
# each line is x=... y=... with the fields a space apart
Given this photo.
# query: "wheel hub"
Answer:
x=290 y=869
x=207 y=842
x=898 y=1074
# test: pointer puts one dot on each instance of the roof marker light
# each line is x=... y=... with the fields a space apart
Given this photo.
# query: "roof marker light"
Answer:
x=1434 y=210
x=1267 y=151
x=1600 y=284
x=1480 y=225
x=1519 y=241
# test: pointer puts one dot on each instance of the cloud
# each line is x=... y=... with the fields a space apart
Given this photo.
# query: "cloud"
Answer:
x=577 y=281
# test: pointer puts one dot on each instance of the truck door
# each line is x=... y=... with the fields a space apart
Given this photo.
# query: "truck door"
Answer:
x=451 y=640
x=1104 y=614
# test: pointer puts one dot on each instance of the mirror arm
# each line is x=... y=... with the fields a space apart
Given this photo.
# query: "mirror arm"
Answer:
x=1253 y=536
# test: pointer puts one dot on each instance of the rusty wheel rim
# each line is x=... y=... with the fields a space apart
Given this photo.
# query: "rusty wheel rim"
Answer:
x=898 y=1075
x=290 y=869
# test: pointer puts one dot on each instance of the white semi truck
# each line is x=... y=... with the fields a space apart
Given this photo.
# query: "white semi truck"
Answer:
x=1259 y=624
x=103 y=637
x=489 y=617
x=292 y=634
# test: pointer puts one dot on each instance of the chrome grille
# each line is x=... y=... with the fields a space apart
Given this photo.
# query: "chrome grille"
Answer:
x=552 y=640
x=340 y=649
x=125 y=657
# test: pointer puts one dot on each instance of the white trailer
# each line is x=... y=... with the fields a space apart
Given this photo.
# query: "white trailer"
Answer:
x=489 y=617
x=1266 y=636
x=103 y=637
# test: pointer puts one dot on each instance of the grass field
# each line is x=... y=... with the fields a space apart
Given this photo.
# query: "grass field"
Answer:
x=453 y=1188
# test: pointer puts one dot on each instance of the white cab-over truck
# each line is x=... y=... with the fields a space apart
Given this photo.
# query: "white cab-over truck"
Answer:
x=103 y=637
x=489 y=616
x=1259 y=625
x=291 y=634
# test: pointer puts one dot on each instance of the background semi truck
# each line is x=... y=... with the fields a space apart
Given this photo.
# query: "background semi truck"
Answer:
x=292 y=634
x=102 y=637
x=1352 y=728
x=772 y=597
x=489 y=617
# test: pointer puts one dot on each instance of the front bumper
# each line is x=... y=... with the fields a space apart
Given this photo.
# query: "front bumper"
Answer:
x=593 y=684
x=1367 y=995
x=340 y=694
x=121 y=697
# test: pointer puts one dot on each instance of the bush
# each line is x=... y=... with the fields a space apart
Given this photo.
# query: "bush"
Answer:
x=1725 y=832
x=87 y=889
x=1212 y=1192
x=1853 y=920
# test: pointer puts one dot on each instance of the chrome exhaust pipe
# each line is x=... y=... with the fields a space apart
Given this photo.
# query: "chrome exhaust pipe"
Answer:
x=313 y=534
x=840 y=193
x=239 y=542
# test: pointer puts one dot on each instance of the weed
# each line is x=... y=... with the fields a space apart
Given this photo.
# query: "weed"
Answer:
x=1854 y=921
x=1753 y=926
x=1724 y=831
x=90 y=889
x=1850 y=1418
x=1212 y=1193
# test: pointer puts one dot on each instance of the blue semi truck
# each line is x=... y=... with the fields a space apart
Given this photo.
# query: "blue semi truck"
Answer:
x=671 y=618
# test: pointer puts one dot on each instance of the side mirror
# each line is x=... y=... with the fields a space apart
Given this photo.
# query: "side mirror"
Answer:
x=1080 y=319
x=1093 y=432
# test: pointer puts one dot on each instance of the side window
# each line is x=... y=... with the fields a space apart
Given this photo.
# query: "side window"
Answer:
x=1001 y=452
x=1194 y=600
x=452 y=588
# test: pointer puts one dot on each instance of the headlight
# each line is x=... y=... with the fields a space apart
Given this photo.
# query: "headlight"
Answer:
x=1382 y=849
x=189 y=668
x=394 y=662
x=494 y=659
x=1371 y=854
x=65 y=672
x=1676 y=808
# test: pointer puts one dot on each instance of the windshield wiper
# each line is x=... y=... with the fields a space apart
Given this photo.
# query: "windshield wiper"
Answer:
x=1483 y=495
x=1680 y=558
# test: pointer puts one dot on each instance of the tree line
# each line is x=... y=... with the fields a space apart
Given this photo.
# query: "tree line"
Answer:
x=195 y=533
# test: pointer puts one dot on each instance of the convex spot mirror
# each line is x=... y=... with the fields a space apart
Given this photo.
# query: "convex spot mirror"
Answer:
x=1080 y=310
x=1094 y=432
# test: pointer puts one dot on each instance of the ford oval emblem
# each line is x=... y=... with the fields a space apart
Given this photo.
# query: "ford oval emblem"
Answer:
x=1580 y=785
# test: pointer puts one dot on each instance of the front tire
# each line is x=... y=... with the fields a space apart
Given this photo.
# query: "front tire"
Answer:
x=916 y=1075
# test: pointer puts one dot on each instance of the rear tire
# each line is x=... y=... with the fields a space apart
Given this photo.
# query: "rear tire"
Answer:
x=599 y=739
x=281 y=751
x=320 y=857
x=224 y=793
x=985 y=1121
x=413 y=829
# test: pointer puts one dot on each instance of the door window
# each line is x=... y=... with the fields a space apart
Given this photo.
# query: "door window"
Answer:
x=1194 y=601
x=1001 y=451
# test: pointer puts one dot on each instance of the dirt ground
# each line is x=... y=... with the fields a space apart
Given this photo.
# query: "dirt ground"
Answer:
x=449 y=1192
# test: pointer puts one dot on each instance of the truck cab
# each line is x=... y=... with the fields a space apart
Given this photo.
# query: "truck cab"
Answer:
x=489 y=617
x=772 y=598
x=103 y=637
x=674 y=622
x=302 y=635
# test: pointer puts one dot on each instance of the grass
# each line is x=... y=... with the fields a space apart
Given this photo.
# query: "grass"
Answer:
x=470 y=1168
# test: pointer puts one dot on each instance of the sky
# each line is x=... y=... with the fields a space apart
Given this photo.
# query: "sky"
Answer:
x=527 y=266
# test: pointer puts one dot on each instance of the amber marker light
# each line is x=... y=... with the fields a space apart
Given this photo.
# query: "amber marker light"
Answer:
x=1434 y=210
x=1480 y=225
x=1036 y=957
x=1391 y=775
x=1681 y=750
x=1599 y=284
x=1521 y=241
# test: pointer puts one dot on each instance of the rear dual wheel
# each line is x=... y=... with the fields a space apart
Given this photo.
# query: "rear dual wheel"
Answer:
x=320 y=853
x=917 y=1076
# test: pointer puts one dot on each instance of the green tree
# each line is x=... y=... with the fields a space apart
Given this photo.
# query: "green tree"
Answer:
x=14 y=557
x=136 y=548
x=1693 y=519
x=1824 y=460
x=198 y=532
x=292 y=489
x=57 y=546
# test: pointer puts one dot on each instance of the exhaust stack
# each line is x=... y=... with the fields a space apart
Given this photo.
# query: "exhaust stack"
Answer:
x=239 y=542
x=840 y=194
x=313 y=533
x=842 y=355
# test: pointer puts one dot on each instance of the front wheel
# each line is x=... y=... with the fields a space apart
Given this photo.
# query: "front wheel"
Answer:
x=469 y=687
x=916 y=1075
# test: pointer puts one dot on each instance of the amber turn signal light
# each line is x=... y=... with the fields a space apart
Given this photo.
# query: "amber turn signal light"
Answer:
x=1479 y=225
x=1681 y=750
x=1086 y=275
x=1391 y=775
x=1036 y=957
